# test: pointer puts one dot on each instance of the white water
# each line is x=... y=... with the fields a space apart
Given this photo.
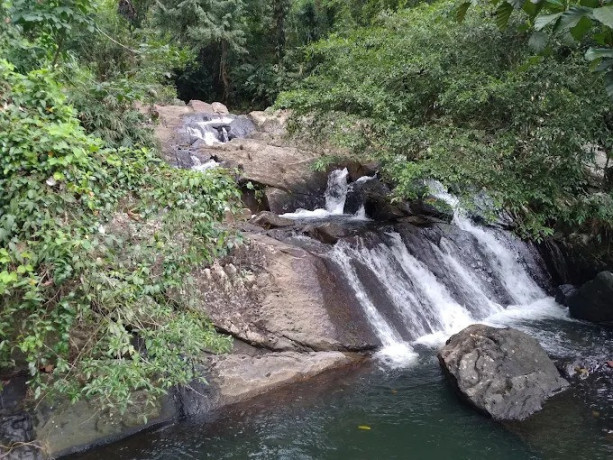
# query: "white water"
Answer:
x=407 y=303
x=335 y=195
x=202 y=167
x=207 y=130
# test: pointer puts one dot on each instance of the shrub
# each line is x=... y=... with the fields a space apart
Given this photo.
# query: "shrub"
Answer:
x=93 y=243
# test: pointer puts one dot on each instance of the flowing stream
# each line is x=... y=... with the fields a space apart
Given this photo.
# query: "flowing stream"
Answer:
x=416 y=287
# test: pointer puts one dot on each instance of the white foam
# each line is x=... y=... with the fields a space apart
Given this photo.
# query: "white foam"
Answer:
x=202 y=167
x=397 y=355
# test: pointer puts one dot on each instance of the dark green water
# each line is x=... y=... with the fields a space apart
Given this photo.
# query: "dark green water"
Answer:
x=411 y=413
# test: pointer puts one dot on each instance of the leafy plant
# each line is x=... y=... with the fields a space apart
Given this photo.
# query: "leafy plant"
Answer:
x=94 y=243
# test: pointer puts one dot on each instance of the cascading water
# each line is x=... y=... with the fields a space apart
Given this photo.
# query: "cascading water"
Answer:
x=336 y=192
x=420 y=287
x=200 y=166
x=335 y=195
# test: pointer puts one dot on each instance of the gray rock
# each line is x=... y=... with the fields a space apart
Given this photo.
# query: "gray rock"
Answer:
x=300 y=197
x=284 y=299
x=564 y=292
x=375 y=196
x=268 y=220
x=200 y=106
x=433 y=207
x=328 y=232
x=502 y=372
x=358 y=169
x=241 y=377
x=594 y=300
x=240 y=127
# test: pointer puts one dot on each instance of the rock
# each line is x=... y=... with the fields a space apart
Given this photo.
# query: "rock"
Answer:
x=432 y=207
x=240 y=127
x=64 y=427
x=357 y=170
x=375 y=196
x=328 y=232
x=594 y=300
x=272 y=122
x=502 y=372
x=564 y=292
x=240 y=377
x=297 y=301
x=301 y=197
x=219 y=108
x=282 y=167
x=268 y=220
x=199 y=106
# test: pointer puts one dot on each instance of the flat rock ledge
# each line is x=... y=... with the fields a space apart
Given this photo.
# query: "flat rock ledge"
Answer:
x=501 y=372
x=67 y=428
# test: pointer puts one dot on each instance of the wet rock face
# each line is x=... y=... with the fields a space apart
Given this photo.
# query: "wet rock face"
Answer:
x=16 y=427
x=280 y=297
x=564 y=292
x=594 y=300
x=502 y=372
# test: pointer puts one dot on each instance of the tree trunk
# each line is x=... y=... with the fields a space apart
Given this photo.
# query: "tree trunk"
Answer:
x=280 y=8
x=223 y=71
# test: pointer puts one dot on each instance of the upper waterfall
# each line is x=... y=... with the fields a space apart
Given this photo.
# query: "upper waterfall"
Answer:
x=336 y=196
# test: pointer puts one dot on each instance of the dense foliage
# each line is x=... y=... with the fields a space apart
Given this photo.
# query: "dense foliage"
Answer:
x=587 y=21
x=97 y=241
x=469 y=105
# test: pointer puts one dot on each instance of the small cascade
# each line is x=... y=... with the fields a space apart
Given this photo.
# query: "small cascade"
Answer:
x=224 y=134
x=336 y=192
x=211 y=130
x=336 y=196
x=198 y=165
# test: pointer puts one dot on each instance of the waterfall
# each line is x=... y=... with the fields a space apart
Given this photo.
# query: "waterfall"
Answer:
x=336 y=192
x=421 y=286
x=335 y=195
x=211 y=131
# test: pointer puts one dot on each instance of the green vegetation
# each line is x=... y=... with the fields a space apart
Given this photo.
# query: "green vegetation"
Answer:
x=98 y=236
x=554 y=22
x=470 y=105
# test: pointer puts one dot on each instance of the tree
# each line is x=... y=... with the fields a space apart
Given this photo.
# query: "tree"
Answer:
x=52 y=21
x=584 y=21
x=205 y=23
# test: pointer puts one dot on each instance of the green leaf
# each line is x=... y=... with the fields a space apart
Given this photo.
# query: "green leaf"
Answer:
x=503 y=13
x=538 y=41
x=608 y=80
x=543 y=21
x=583 y=27
x=532 y=9
x=571 y=18
x=461 y=11
x=596 y=53
x=604 y=15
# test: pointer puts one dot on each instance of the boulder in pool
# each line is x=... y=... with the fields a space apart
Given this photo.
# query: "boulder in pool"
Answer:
x=502 y=372
x=594 y=300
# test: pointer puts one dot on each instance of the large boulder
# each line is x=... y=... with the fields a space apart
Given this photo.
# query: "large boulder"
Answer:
x=502 y=372
x=594 y=300
x=281 y=297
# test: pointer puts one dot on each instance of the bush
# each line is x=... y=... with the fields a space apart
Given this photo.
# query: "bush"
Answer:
x=93 y=243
